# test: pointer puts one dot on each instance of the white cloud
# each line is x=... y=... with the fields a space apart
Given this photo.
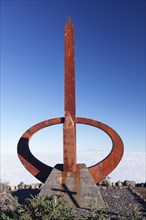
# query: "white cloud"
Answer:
x=131 y=167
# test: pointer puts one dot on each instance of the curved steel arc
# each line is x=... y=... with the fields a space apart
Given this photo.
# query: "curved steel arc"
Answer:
x=98 y=171
x=38 y=169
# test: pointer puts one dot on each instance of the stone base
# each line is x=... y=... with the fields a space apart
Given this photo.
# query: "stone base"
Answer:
x=77 y=187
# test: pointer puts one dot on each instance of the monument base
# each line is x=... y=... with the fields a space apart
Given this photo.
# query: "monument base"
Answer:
x=77 y=187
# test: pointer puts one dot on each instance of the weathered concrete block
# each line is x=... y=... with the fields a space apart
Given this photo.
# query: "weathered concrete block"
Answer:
x=77 y=187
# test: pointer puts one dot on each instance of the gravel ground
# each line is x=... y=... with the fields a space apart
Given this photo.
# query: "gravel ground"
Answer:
x=141 y=191
x=119 y=202
x=123 y=201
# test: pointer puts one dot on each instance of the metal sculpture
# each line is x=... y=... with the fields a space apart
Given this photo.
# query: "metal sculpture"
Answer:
x=98 y=171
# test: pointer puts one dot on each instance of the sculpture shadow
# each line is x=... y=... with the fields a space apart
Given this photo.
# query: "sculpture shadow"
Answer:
x=23 y=194
x=69 y=193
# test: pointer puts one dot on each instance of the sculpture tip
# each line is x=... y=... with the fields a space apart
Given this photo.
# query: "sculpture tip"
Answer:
x=69 y=18
x=69 y=22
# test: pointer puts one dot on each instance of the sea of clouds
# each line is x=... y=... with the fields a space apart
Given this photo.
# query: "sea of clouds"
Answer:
x=131 y=167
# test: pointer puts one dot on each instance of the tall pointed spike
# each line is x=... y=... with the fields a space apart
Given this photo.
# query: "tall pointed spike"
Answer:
x=69 y=70
x=69 y=21
x=69 y=132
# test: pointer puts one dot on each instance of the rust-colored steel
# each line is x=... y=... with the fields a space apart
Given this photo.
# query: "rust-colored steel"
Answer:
x=69 y=101
x=69 y=129
x=38 y=169
x=98 y=171
x=69 y=145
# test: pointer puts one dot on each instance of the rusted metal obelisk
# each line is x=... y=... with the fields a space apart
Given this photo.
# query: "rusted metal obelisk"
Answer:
x=69 y=127
x=76 y=181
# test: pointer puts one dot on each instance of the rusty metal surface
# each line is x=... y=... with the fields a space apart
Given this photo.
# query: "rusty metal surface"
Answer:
x=69 y=77
x=69 y=128
x=69 y=144
x=38 y=169
x=98 y=171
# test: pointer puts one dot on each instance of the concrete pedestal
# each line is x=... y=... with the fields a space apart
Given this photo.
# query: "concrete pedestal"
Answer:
x=77 y=187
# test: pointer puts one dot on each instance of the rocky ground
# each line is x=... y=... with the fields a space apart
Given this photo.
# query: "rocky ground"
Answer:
x=141 y=191
x=121 y=200
x=123 y=203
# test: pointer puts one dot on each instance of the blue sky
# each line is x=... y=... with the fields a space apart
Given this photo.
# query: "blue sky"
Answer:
x=110 y=71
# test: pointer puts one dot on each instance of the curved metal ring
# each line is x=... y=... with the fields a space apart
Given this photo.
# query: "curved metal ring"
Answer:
x=98 y=171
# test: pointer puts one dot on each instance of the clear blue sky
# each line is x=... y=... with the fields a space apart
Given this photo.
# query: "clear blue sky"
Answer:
x=110 y=71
